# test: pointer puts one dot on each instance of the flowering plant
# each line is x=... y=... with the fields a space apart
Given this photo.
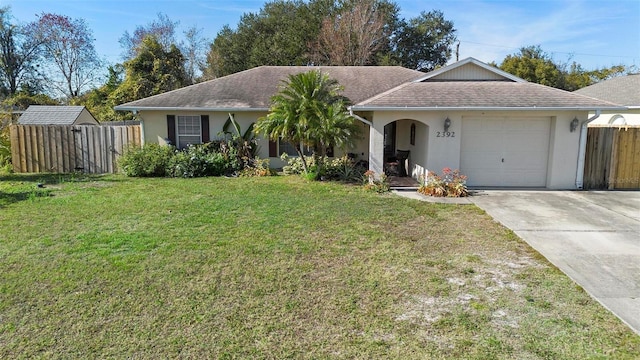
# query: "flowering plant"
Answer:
x=371 y=183
x=452 y=183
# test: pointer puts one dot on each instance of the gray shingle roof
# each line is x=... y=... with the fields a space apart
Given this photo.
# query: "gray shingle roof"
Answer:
x=253 y=88
x=50 y=115
x=623 y=90
x=371 y=88
x=479 y=94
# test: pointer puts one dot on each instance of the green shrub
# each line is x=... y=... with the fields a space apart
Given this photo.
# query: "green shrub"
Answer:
x=217 y=158
x=257 y=167
x=379 y=184
x=313 y=173
x=231 y=153
x=151 y=160
x=5 y=148
x=343 y=169
x=198 y=161
x=294 y=164
x=340 y=169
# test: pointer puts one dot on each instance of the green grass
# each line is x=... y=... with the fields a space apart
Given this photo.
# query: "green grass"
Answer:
x=111 y=267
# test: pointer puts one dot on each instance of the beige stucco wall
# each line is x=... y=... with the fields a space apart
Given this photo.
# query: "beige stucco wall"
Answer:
x=429 y=152
x=444 y=152
x=154 y=125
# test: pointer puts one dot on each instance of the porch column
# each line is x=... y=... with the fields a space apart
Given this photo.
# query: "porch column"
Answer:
x=376 y=148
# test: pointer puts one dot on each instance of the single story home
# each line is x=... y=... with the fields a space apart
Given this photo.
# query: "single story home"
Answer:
x=623 y=90
x=57 y=115
x=498 y=129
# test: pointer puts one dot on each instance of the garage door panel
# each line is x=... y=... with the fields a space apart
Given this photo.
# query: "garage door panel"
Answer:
x=526 y=159
x=522 y=179
x=505 y=151
x=483 y=158
x=486 y=125
x=524 y=166
x=480 y=177
x=483 y=147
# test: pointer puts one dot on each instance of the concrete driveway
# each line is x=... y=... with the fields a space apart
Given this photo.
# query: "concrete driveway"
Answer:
x=593 y=237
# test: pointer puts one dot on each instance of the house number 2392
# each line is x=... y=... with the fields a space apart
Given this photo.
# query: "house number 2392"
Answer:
x=445 y=134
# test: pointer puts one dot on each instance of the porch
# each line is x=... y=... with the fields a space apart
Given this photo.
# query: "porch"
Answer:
x=403 y=183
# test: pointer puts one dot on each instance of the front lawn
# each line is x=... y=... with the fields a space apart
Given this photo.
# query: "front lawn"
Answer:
x=113 y=267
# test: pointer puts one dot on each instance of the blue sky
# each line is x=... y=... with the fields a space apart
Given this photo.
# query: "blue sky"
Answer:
x=592 y=33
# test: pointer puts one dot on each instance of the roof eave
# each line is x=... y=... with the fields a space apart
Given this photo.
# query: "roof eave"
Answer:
x=480 y=108
x=184 y=108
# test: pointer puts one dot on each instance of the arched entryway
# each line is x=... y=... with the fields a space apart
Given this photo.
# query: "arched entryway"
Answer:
x=406 y=142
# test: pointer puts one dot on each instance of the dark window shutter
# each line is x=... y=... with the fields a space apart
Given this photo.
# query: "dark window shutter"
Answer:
x=273 y=148
x=204 y=119
x=171 y=129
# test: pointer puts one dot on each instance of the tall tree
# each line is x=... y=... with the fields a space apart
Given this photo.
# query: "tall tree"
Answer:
x=68 y=47
x=19 y=55
x=194 y=51
x=309 y=111
x=533 y=65
x=154 y=70
x=162 y=28
x=228 y=53
x=100 y=101
x=279 y=34
x=424 y=42
x=577 y=77
x=355 y=34
x=331 y=32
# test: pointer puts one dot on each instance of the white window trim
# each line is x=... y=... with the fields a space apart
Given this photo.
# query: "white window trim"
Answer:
x=178 y=135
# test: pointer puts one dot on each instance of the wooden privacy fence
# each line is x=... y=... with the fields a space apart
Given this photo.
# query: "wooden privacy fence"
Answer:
x=66 y=149
x=612 y=158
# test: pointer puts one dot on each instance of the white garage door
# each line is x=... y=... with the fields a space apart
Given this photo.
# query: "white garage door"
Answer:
x=505 y=151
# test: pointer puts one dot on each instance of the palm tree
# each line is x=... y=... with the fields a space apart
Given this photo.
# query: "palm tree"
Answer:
x=337 y=128
x=309 y=111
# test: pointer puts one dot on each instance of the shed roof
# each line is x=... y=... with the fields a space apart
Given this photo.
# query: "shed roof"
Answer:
x=252 y=89
x=623 y=90
x=51 y=115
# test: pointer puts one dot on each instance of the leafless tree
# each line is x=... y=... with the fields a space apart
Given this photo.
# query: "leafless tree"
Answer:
x=162 y=29
x=19 y=55
x=352 y=36
x=68 y=48
x=194 y=50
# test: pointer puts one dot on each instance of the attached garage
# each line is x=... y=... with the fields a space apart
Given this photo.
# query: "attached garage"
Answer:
x=501 y=151
x=497 y=129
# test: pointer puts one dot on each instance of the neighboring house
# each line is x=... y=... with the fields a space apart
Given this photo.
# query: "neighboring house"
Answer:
x=623 y=90
x=57 y=115
x=498 y=129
